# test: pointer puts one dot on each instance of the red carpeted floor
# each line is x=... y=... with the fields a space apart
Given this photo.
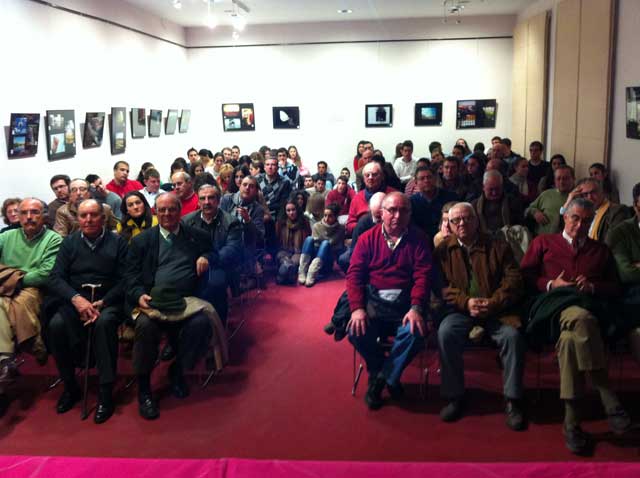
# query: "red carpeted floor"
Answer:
x=286 y=395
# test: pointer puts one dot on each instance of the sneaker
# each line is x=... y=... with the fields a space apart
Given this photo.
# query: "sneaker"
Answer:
x=577 y=441
x=373 y=397
x=452 y=411
x=619 y=420
x=515 y=416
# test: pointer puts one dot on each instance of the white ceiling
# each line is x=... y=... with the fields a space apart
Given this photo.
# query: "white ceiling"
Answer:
x=194 y=12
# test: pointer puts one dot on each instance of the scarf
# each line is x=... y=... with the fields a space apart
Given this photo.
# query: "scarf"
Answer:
x=597 y=220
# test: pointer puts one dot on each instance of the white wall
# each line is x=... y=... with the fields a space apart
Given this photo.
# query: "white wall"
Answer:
x=57 y=60
x=625 y=152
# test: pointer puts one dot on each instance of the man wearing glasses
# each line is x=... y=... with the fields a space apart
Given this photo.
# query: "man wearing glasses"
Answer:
x=67 y=215
x=388 y=284
x=373 y=183
x=483 y=287
x=576 y=277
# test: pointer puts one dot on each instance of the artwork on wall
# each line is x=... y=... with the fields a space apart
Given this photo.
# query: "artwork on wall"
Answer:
x=185 y=117
x=238 y=117
x=93 y=130
x=61 y=134
x=633 y=112
x=138 y=122
x=378 y=116
x=286 y=117
x=118 y=130
x=155 y=123
x=476 y=114
x=23 y=135
x=172 y=122
x=428 y=114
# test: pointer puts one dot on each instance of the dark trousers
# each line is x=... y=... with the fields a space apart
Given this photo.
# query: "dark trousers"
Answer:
x=68 y=341
x=190 y=337
x=213 y=289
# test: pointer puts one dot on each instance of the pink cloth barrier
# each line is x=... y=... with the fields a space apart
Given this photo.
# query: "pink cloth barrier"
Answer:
x=64 y=467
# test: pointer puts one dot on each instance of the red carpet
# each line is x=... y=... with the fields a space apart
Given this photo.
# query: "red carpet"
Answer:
x=286 y=396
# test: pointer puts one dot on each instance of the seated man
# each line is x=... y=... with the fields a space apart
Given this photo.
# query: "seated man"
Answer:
x=101 y=194
x=341 y=195
x=323 y=172
x=31 y=252
x=624 y=241
x=545 y=209
x=494 y=209
x=426 y=204
x=67 y=215
x=91 y=255
x=121 y=184
x=276 y=190
x=166 y=260
x=183 y=188
x=451 y=179
x=576 y=276
x=373 y=183
x=60 y=187
x=225 y=234
x=387 y=288
x=483 y=287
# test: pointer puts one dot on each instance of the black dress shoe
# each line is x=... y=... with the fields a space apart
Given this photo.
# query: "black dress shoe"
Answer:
x=168 y=353
x=67 y=400
x=453 y=410
x=148 y=408
x=179 y=387
x=577 y=441
x=515 y=416
x=104 y=411
x=373 y=397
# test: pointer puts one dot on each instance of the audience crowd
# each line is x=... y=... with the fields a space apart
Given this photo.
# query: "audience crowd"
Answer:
x=480 y=245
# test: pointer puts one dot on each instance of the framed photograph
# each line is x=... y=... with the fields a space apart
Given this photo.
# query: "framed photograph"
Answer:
x=286 y=117
x=155 y=123
x=172 y=122
x=185 y=117
x=118 y=130
x=23 y=135
x=476 y=114
x=138 y=122
x=238 y=117
x=633 y=112
x=428 y=114
x=61 y=134
x=378 y=116
x=93 y=130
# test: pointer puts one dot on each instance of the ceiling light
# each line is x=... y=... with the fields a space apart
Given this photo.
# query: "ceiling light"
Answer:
x=177 y=4
x=239 y=22
x=345 y=11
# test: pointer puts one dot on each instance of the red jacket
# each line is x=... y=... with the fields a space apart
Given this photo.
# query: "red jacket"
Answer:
x=342 y=200
x=550 y=254
x=359 y=207
x=406 y=267
x=130 y=185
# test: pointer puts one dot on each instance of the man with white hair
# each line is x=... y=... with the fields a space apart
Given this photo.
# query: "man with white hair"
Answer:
x=183 y=188
x=67 y=215
x=373 y=183
x=494 y=208
x=484 y=287
x=576 y=277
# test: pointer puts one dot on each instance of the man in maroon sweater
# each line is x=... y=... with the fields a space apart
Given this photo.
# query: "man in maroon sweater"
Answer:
x=373 y=183
x=584 y=272
x=387 y=287
x=342 y=195
x=121 y=184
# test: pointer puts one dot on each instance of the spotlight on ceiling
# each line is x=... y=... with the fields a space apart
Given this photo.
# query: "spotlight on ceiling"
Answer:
x=345 y=11
x=177 y=4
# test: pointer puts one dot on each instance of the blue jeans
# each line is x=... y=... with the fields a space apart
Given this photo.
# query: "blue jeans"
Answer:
x=323 y=252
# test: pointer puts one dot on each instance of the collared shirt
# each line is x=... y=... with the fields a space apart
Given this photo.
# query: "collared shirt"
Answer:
x=93 y=243
x=392 y=245
x=165 y=232
x=34 y=238
x=213 y=219
x=570 y=240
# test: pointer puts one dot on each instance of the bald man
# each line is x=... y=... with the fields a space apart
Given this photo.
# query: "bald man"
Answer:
x=373 y=183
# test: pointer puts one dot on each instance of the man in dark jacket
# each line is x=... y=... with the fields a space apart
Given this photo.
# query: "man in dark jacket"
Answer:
x=92 y=255
x=225 y=232
x=170 y=255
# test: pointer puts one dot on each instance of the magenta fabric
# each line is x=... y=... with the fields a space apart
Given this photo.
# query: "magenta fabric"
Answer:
x=61 y=467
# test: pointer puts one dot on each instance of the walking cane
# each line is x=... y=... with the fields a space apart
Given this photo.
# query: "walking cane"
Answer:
x=85 y=412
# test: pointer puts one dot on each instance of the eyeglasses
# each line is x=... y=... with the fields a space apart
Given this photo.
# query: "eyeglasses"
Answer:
x=80 y=189
x=458 y=220
x=397 y=210
x=371 y=175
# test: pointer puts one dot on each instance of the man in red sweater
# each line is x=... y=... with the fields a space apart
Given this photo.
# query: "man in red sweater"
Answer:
x=387 y=287
x=121 y=184
x=183 y=188
x=373 y=183
x=342 y=195
x=575 y=274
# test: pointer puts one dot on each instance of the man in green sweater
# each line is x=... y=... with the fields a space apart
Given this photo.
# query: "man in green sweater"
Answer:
x=31 y=252
x=545 y=209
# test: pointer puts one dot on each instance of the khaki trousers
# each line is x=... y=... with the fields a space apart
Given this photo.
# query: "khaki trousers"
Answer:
x=7 y=344
x=580 y=349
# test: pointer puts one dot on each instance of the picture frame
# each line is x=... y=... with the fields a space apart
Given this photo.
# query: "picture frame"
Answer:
x=171 y=122
x=238 y=117
x=118 y=130
x=138 y=122
x=378 y=116
x=155 y=123
x=185 y=118
x=286 y=117
x=633 y=112
x=93 y=130
x=472 y=114
x=60 y=127
x=24 y=129
x=428 y=114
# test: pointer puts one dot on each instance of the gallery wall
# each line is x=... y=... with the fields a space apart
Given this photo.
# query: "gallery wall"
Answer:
x=72 y=62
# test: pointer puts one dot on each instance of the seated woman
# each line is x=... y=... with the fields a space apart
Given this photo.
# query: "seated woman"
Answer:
x=239 y=173
x=136 y=215
x=291 y=230
x=143 y=169
x=547 y=182
x=600 y=172
x=196 y=169
x=528 y=189
x=445 y=230
x=225 y=178
x=179 y=165
x=10 y=214
x=320 y=249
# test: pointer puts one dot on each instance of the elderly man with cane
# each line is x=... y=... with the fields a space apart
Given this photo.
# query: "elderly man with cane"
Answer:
x=87 y=282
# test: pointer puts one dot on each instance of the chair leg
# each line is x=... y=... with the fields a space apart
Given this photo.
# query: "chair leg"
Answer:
x=55 y=383
x=356 y=375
